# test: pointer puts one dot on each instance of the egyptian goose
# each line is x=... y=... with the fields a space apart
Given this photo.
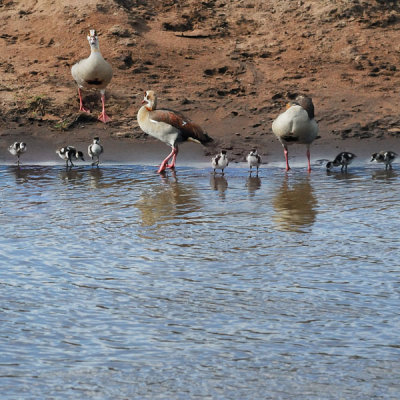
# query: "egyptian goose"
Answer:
x=253 y=159
x=68 y=153
x=386 y=157
x=344 y=159
x=93 y=73
x=296 y=125
x=220 y=161
x=16 y=149
x=94 y=150
x=168 y=126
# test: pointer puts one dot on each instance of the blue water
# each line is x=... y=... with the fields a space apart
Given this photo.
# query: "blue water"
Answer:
x=118 y=283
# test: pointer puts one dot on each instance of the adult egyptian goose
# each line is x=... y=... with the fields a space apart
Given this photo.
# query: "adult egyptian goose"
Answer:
x=16 y=149
x=93 y=72
x=94 y=150
x=220 y=161
x=344 y=159
x=168 y=126
x=386 y=157
x=253 y=160
x=68 y=153
x=296 y=125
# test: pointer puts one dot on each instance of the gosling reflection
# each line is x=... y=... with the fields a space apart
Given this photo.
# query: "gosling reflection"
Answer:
x=295 y=205
x=384 y=174
x=161 y=203
x=219 y=183
x=71 y=175
x=95 y=175
x=253 y=183
x=25 y=174
x=21 y=174
x=341 y=175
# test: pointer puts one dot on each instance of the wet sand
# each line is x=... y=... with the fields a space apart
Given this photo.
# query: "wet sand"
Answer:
x=42 y=143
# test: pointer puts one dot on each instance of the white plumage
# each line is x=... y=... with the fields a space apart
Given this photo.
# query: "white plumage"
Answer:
x=94 y=151
x=16 y=149
x=253 y=160
x=220 y=161
x=93 y=72
x=296 y=125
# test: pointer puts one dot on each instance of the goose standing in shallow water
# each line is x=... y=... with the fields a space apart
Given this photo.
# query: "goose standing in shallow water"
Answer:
x=16 y=149
x=344 y=159
x=220 y=161
x=68 y=153
x=168 y=126
x=94 y=150
x=296 y=125
x=254 y=160
x=386 y=157
x=93 y=73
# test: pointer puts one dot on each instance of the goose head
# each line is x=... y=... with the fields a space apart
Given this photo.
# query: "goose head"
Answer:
x=93 y=39
x=150 y=100
x=307 y=103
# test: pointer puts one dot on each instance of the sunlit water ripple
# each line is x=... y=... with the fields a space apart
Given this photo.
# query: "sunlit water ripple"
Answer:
x=118 y=283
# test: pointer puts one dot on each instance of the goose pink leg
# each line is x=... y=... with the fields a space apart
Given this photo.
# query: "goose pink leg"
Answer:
x=81 y=107
x=285 y=150
x=164 y=164
x=175 y=153
x=103 y=117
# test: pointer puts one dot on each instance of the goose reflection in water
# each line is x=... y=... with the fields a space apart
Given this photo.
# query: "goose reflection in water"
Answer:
x=219 y=183
x=253 y=183
x=295 y=205
x=162 y=202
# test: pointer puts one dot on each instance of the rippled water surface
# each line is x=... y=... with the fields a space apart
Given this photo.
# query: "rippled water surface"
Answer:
x=117 y=283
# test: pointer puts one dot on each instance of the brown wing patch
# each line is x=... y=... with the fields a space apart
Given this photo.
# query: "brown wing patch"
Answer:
x=187 y=128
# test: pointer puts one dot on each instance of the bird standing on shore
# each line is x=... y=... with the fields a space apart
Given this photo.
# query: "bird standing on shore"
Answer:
x=168 y=126
x=344 y=159
x=253 y=160
x=16 y=149
x=93 y=73
x=386 y=157
x=94 y=150
x=68 y=153
x=220 y=161
x=296 y=125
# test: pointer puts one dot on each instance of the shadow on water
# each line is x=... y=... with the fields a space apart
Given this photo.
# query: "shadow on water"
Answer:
x=295 y=205
x=219 y=183
x=167 y=200
x=253 y=183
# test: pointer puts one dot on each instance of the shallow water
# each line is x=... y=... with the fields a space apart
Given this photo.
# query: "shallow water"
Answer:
x=118 y=283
